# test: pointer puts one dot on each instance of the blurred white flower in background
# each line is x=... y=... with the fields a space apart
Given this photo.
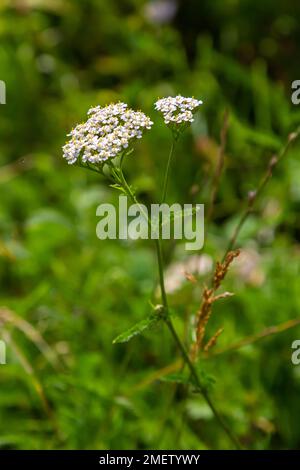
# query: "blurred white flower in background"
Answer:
x=160 y=11
x=175 y=275
x=248 y=267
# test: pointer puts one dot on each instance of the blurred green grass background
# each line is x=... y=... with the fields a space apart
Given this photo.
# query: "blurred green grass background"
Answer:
x=58 y=58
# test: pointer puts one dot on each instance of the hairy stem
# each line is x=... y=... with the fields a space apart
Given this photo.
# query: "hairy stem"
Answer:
x=184 y=353
x=168 y=321
x=166 y=179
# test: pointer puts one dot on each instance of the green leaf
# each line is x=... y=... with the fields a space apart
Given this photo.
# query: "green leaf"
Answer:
x=118 y=187
x=207 y=381
x=179 y=378
x=137 y=329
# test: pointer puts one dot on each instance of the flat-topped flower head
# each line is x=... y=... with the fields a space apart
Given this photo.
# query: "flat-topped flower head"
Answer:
x=105 y=134
x=177 y=110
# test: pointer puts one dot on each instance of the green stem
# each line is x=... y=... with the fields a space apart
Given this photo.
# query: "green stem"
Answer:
x=131 y=195
x=184 y=353
x=161 y=276
x=169 y=323
x=166 y=179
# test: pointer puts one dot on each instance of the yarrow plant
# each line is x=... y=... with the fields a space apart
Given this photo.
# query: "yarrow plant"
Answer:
x=177 y=110
x=107 y=132
x=178 y=113
x=96 y=144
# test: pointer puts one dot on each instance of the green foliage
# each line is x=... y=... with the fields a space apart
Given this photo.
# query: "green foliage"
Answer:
x=137 y=329
x=184 y=378
x=60 y=57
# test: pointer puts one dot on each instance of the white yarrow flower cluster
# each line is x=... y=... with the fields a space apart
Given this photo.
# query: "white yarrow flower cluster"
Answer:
x=106 y=133
x=178 y=109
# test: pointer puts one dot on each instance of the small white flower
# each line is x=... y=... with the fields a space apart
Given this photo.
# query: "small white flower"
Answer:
x=105 y=134
x=178 y=109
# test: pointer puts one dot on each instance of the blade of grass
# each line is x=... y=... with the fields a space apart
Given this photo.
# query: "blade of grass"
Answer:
x=8 y=316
